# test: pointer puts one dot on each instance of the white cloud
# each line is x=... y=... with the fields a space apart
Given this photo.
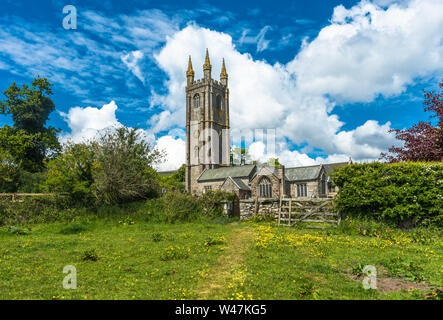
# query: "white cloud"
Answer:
x=175 y=152
x=257 y=151
x=261 y=95
x=132 y=60
x=86 y=122
x=364 y=52
x=367 y=51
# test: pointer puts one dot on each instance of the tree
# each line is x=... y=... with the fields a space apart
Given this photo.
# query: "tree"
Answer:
x=72 y=172
x=124 y=166
x=114 y=168
x=29 y=142
x=175 y=181
x=423 y=141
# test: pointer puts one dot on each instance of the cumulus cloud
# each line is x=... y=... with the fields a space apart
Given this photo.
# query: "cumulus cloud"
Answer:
x=261 y=95
x=364 y=52
x=367 y=51
x=174 y=150
x=86 y=122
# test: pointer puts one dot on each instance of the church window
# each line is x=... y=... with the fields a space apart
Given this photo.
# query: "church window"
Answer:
x=265 y=188
x=196 y=100
x=302 y=190
x=323 y=184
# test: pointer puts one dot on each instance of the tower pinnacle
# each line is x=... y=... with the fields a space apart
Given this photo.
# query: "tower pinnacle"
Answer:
x=224 y=74
x=207 y=65
x=190 y=71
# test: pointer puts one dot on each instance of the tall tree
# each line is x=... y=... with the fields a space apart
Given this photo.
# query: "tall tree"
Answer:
x=423 y=141
x=28 y=141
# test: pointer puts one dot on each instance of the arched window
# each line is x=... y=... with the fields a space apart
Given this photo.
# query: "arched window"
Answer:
x=196 y=100
x=323 y=184
x=265 y=188
x=218 y=102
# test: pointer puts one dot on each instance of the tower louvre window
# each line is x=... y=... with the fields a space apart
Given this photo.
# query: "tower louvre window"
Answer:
x=219 y=102
x=196 y=100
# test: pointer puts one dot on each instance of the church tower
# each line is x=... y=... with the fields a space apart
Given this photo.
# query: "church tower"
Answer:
x=207 y=123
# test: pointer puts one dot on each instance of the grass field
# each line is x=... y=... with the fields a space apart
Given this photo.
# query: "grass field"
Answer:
x=140 y=260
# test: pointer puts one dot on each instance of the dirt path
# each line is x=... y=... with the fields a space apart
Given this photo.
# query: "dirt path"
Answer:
x=215 y=285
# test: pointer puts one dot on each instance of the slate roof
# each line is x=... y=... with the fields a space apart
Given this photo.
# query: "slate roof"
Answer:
x=330 y=167
x=239 y=183
x=310 y=172
x=224 y=172
x=302 y=173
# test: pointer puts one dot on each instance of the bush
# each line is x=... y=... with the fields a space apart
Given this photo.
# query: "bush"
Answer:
x=89 y=255
x=405 y=193
x=31 y=182
x=36 y=210
x=171 y=208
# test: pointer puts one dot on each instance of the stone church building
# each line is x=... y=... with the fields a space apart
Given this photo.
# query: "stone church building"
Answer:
x=208 y=150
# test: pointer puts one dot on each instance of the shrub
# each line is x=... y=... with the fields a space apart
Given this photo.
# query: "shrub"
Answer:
x=124 y=170
x=36 y=210
x=89 y=255
x=408 y=270
x=157 y=237
x=405 y=193
x=72 y=172
x=31 y=182
x=18 y=231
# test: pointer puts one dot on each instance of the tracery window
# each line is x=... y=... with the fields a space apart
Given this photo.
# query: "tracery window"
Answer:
x=265 y=188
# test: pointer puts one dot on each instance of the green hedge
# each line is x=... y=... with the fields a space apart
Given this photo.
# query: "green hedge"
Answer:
x=171 y=208
x=407 y=193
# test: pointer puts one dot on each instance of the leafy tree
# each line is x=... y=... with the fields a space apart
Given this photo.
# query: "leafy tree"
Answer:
x=114 y=168
x=72 y=172
x=28 y=141
x=124 y=172
x=423 y=141
x=9 y=172
x=175 y=181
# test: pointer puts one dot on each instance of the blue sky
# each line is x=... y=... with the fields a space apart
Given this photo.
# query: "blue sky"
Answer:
x=331 y=76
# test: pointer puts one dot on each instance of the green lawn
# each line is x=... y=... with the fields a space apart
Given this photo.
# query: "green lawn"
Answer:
x=141 y=260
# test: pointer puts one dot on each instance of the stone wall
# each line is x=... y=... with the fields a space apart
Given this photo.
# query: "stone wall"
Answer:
x=250 y=208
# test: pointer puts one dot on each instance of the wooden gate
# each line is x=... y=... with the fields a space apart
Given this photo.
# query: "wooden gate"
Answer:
x=317 y=213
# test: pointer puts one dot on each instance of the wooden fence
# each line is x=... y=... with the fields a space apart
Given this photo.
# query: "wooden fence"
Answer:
x=317 y=213
x=18 y=197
